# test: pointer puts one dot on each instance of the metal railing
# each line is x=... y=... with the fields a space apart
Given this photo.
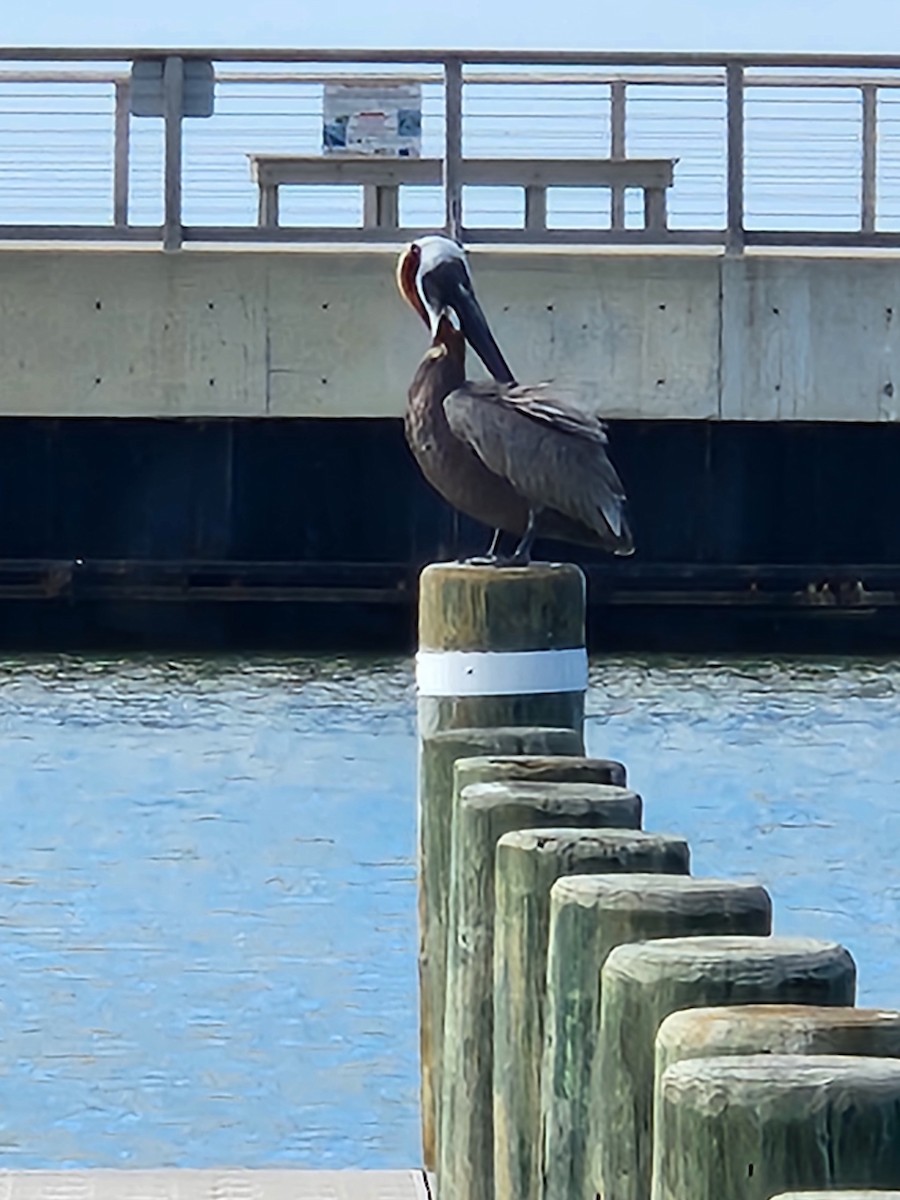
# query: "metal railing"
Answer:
x=777 y=150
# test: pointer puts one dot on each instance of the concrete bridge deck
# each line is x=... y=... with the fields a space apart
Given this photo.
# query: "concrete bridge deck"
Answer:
x=649 y=334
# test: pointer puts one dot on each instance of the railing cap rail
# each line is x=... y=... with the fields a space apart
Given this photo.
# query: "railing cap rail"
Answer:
x=275 y=54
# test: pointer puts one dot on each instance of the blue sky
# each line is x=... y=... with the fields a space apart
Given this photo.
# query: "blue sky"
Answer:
x=790 y=25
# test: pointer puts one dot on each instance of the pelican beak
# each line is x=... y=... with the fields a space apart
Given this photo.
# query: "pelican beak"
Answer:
x=474 y=326
x=444 y=286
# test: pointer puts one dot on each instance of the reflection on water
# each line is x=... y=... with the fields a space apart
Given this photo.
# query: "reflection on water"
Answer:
x=206 y=913
x=207 y=900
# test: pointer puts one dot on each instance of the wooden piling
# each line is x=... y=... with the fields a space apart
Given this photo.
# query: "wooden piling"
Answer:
x=501 y=647
x=497 y=648
x=747 y=1128
x=776 y=1029
x=437 y=756
x=528 y=863
x=589 y=916
x=483 y=813
x=642 y=984
x=536 y=768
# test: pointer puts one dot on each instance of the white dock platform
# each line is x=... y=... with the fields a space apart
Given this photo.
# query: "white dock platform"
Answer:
x=214 y=1185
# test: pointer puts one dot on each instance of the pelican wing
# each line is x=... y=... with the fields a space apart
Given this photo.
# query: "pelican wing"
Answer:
x=551 y=452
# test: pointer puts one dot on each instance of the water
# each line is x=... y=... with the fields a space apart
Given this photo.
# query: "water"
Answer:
x=207 y=896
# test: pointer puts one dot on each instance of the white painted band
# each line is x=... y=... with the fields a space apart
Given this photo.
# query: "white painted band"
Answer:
x=500 y=672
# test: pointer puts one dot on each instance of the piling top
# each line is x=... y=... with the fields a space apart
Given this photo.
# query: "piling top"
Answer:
x=707 y=1032
x=548 y=794
x=753 y=1079
x=589 y=804
x=597 y=849
x=645 y=962
x=506 y=739
x=463 y=606
x=555 y=838
x=640 y=892
x=539 y=768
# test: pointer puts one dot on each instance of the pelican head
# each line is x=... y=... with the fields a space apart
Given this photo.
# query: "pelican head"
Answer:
x=433 y=277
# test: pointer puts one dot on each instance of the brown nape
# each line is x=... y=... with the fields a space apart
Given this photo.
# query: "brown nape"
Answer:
x=407 y=267
x=453 y=339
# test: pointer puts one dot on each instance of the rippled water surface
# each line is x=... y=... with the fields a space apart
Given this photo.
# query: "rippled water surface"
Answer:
x=207 y=897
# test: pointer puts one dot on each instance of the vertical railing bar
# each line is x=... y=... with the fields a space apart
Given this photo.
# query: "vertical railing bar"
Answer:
x=370 y=206
x=734 y=92
x=536 y=208
x=121 y=153
x=453 y=88
x=617 y=110
x=868 y=191
x=173 y=110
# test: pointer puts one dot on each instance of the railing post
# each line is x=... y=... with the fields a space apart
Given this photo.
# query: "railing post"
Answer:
x=617 y=102
x=173 y=109
x=121 y=148
x=734 y=90
x=536 y=208
x=268 y=205
x=453 y=85
x=869 y=188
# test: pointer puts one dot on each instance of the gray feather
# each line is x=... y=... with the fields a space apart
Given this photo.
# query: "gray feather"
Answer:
x=552 y=453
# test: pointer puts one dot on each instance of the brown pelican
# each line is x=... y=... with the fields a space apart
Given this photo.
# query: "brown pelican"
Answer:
x=512 y=457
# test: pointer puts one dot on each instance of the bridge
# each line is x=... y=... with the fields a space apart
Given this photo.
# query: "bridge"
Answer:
x=204 y=359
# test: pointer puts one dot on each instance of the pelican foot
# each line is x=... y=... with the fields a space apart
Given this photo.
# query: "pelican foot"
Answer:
x=501 y=560
x=483 y=560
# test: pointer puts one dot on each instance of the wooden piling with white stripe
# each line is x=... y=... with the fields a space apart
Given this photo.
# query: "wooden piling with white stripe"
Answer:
x=498 y=647
x=501 y=646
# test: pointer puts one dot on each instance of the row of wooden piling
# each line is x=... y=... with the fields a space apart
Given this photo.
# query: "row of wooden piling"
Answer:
x=594 y=1020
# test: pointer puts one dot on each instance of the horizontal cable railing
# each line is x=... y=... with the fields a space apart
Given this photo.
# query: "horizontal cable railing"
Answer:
x=526 y=148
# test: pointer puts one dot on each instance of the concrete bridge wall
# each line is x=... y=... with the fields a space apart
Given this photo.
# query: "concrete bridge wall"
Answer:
x=309 y=332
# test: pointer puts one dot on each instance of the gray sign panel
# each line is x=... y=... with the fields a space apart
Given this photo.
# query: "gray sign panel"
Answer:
x=147 y=87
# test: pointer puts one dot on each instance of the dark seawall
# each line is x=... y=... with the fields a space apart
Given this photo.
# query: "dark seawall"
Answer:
x=267 y=532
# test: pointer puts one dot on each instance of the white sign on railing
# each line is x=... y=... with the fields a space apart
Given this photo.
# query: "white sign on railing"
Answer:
x=385 y=120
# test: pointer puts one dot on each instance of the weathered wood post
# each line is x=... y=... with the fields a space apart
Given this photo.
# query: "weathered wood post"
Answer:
x=483 y=813
x=438 y=755
x=536 y=768
x=501 y=647
x=497 y=648
x=528 y=864
x=776 y=1029
x=642 y=984
x=746 y=1128
x=589 y=916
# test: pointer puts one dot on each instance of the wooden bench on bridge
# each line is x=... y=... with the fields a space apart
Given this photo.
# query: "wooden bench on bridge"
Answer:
x=381 y=179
